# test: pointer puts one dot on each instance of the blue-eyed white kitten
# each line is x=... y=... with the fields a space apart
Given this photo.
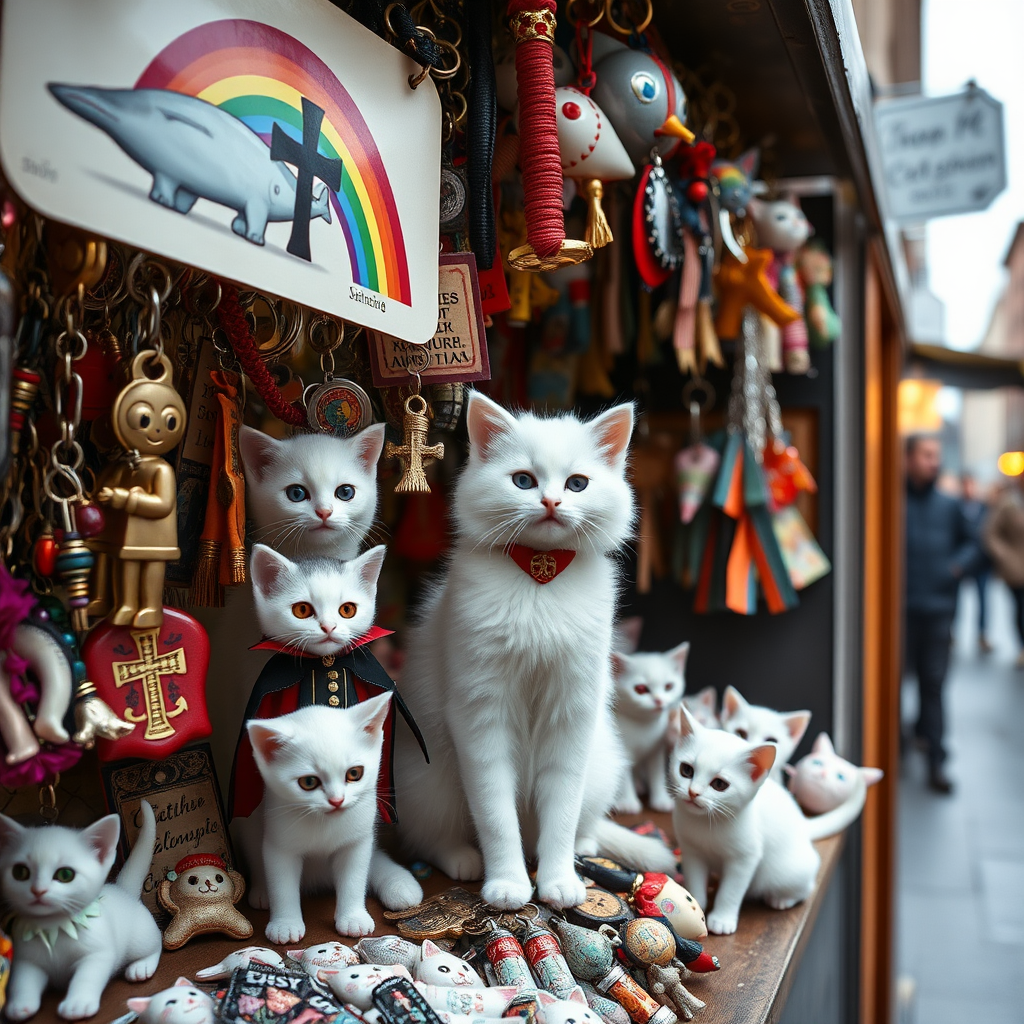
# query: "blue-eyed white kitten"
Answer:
x=312 y=494
x=318 y=606
x=512 y=681
x=69 y=927
x=732 y=819
x=648 y=686
x=757 y=724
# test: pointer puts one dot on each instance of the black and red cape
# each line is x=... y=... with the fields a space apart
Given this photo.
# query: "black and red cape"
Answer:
x=293 y=680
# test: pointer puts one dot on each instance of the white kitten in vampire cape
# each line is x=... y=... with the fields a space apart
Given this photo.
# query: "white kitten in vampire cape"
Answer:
x=509 y=667
x=733 y=819
x=648 y=686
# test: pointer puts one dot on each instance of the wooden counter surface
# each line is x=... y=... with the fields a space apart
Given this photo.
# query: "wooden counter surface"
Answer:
x=758 y=962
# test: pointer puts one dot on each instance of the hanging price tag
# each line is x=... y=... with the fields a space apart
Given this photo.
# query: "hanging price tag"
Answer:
x=458 y=349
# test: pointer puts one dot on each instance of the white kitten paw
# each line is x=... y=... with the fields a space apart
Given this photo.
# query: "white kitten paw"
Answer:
x=722 y=924
x=780 y=902
x=562 y=890
x=282 y=930
x=628 y=805
x=21 y=1009
x=144 y=969
x=507 y=894
x=258 y=898
x=79 y=1007
x=401 y=893
x=662 y=803
x=463 y=864
x=354 y=922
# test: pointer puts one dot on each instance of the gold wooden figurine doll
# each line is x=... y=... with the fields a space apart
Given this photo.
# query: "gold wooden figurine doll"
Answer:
x=149 y=420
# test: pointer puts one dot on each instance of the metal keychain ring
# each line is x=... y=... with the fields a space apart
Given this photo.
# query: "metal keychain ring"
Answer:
x=627 y=30
x=699 y=386
x=589 y=22
x=141 y=267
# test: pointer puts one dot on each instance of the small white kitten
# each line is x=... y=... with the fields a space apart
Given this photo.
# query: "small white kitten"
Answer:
x=757 y=724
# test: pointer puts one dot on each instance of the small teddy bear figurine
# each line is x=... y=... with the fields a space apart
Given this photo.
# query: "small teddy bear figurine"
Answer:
x=201 y=893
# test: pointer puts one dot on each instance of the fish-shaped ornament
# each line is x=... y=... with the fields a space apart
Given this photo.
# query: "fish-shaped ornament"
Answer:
x=696 y=466
x=591 y=153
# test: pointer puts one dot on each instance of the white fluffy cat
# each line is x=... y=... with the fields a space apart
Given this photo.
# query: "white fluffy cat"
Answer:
x=312 y=494
x=320 y=767
x=757 y=724
x=647 y=687
x=703 y=705
x=68 y=926
x=509 y=677
x=731 y=818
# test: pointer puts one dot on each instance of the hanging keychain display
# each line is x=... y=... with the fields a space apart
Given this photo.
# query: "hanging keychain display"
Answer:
x=337 y=406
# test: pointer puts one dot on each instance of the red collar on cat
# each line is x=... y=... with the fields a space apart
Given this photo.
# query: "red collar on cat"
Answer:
x=541 y=566
x=373 y=633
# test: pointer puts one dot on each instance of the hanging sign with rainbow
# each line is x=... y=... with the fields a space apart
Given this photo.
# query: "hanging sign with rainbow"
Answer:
x=276 y=144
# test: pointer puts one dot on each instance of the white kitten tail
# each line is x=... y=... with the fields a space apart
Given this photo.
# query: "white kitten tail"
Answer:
x=833 y=822
x=140 y=861
x=395 y=886
x=626 y=847
x=513 y=693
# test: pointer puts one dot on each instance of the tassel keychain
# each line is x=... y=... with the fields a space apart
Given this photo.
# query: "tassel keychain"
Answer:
x=222 y=544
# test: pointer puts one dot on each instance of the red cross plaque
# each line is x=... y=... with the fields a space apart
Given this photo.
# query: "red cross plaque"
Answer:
x=155 y=678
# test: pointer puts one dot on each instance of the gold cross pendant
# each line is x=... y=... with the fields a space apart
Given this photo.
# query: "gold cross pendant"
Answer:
x=415 y=451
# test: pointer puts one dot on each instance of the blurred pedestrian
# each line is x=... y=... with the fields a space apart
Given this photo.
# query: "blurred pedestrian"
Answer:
x=976 y=510
x=941 y=550
x=1004 y=542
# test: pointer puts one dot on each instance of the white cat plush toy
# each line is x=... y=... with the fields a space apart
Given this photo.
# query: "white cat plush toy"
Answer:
x=571 y=1010
x=241 y=958
x=332 y=955
x=435 y=966
x=763 y=725
x=182 y=1003
x=732 y=819
x=355 y=984
x=69 y=927
x=703 y=705
x=647 y=687
x=513 y=695
x=823 y=780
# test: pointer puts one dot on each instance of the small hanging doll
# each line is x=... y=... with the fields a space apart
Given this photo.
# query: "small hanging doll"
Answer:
x=814 y=270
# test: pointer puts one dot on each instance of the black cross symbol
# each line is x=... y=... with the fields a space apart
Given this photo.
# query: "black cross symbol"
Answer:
x=309 y=164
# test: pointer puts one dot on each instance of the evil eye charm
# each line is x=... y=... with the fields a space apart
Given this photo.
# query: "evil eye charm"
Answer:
x=338 y=406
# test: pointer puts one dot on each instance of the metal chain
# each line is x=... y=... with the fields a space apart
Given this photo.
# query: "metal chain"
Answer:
x=753 y=403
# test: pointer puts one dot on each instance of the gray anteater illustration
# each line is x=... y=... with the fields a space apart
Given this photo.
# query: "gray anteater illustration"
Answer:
x=194 y=150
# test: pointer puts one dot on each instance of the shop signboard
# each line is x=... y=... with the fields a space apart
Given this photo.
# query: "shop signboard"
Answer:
x=278 y=145
x=943 y=155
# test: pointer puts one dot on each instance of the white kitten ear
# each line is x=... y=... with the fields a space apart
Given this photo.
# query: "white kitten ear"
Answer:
x=732 y=702
x=822 y=744
x=577 y=996
x=679 y=655
x=709 y=698
x=620 y=662
x=370 y=564
x=10 y=831
x=102 y=836
x=673 y=730
x=789 y=770
x=760 y=760
x=613 y=430
x=485 y=420
x=369 y=444
x=259 y=450
x=267 y=738
x=545 y=998
x=429 y=949
x=797 y=723
x=182 y=983
x=139 y=1004
x=269 y=569
x=375 y=711
x=872 y=775
x=688 y=725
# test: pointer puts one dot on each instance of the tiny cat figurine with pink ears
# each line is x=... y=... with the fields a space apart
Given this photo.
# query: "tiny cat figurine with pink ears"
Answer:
x=823 y=780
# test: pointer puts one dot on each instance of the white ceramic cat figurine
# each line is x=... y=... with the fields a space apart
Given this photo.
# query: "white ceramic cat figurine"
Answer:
x=241 y=958
x=182 y=1003
x=509 y=667
x=435 y=966
x=312 y=494
x=355 y=984
x=823 y=780
x=647 y=687
x=703 y=705
x=733 y=819
x=781 y=224
x=68 y=926
x=319 y=606
x=333 y=955
x=571 y=1010
x=757 y=724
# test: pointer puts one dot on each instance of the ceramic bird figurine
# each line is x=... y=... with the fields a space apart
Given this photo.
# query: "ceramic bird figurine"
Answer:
x=591 y=153
x=642 y=98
